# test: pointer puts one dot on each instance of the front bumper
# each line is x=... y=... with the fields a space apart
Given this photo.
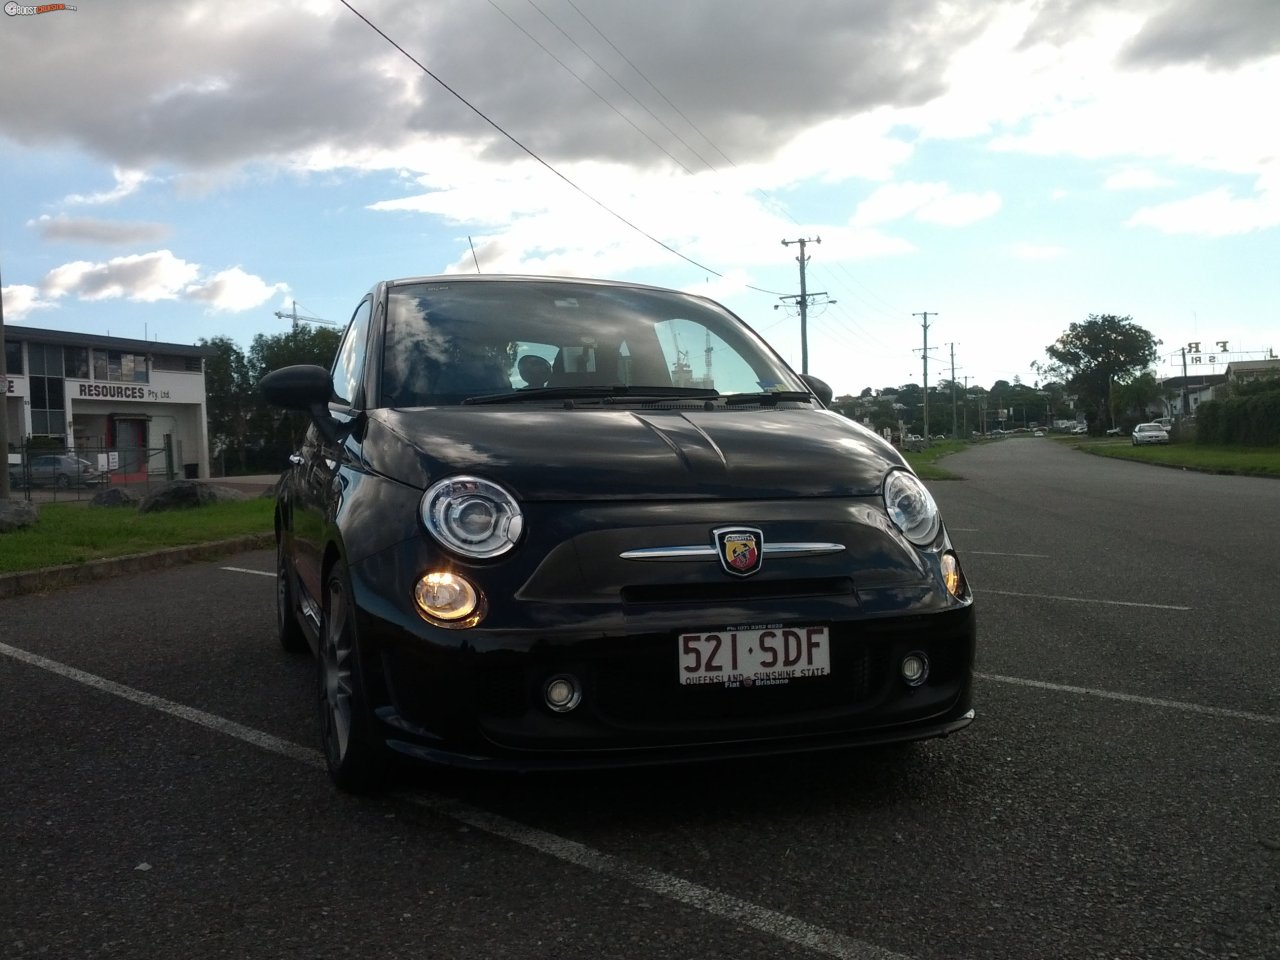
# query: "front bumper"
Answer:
x=572 y=600
x=474 y=698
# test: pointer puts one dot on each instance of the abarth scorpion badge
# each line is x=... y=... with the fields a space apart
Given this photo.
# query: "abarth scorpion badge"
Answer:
x=740 y=550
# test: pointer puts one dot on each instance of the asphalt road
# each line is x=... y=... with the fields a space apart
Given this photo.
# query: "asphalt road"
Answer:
x=1118 y=796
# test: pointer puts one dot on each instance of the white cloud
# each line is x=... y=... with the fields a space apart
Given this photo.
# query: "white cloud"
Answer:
x=94 y=230
x=156 y=276
x=1037 y=251
x=234 y=290
x=146 y=277
x=1216 y=213
x=1136 y=178
x=927 y=202
x=128 y=182
x=21 y=300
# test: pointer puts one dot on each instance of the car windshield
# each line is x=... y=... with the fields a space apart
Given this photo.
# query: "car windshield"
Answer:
x=511 y=341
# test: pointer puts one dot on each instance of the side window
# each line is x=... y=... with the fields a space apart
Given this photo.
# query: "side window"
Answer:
x=348 y=365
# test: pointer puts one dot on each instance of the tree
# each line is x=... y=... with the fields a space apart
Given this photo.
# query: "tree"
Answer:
x=229 y=400
x=245 y=433
x=1137 y=396
x=1096 y=355
x=278 y=433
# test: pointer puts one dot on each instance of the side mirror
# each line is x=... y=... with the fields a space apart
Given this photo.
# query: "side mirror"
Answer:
x=304 y=387
x=819 y=387
x=299 y=387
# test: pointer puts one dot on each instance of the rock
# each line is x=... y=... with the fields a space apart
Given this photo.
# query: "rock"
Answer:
x=184 y=494
x=114 y=497
x=16 y=514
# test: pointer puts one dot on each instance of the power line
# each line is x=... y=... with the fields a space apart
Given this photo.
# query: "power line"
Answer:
x=530 y=153
x=654 y=87
x=573 y=73
x=623 y=87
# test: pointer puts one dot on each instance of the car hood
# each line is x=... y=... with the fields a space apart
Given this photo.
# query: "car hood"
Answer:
x=594 y=454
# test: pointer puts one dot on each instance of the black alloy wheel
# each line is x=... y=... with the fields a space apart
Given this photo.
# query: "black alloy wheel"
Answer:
x=357 y=763
x=288 y=630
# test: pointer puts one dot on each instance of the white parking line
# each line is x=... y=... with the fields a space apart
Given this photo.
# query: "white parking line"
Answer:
x=260 y=573
x=780 y=925
x=1112 y=603
x=1132 y=698
x=208 y=720
x=986 y=553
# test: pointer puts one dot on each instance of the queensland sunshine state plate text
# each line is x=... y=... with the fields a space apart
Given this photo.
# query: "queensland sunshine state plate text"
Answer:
x=749 y=657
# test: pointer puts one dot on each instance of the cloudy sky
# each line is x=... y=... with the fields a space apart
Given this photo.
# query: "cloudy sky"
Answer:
x=174 y=169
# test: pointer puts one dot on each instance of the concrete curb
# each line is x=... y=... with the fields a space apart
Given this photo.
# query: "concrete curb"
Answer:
x=55 y=578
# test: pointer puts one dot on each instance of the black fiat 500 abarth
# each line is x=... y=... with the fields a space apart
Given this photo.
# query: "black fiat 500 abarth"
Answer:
x=543 y=523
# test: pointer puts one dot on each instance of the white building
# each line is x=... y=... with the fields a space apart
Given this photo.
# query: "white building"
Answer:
x=132 y=398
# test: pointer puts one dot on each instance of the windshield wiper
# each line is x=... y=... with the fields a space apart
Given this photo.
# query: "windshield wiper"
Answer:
x=600 y=392
x=767 y=398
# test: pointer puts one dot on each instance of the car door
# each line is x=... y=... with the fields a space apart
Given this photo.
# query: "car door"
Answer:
x=319 y=464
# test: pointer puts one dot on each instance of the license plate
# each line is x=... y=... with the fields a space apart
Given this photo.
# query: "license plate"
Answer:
x=746 y=658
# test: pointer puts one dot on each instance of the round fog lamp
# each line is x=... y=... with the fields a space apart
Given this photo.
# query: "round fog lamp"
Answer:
x=443 y=596
x=915 y=668
x=562 y=693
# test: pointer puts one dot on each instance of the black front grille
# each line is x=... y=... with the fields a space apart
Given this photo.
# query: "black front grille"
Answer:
x=737 y=590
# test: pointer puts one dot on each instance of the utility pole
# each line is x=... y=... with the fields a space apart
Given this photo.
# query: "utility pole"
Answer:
x=924 y=353
x=1185 y=406
x=954 y=434
x=4 y=412
x=803 y=301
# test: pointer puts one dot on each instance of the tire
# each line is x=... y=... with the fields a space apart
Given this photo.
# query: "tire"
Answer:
x=288 y=630
x=61 y=481
x=356 y=761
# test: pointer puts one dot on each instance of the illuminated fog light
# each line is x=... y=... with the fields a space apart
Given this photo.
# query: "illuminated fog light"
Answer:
x=951 y=574
x=447 y=598
x=915 y=668
x=562 y=693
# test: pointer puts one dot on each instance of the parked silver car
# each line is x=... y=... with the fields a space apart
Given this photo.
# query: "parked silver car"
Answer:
x=1149 y=433
x=62 y=470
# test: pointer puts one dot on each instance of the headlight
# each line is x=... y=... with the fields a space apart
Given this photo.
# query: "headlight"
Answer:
x=472 y=516
x=911 y=508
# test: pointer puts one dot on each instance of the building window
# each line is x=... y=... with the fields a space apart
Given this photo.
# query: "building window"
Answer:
x=48 y=390
x=13 y=358
x=75 y=361
x=117 y=367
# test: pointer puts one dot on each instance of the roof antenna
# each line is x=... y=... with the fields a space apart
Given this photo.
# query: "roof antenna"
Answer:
x=473 y=254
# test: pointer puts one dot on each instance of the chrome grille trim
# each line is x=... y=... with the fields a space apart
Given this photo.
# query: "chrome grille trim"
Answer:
x=700 y=552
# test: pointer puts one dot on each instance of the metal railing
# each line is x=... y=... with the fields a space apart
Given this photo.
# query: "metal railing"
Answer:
x=44 y=472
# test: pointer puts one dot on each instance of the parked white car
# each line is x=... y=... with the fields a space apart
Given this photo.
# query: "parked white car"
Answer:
x=1149 y=433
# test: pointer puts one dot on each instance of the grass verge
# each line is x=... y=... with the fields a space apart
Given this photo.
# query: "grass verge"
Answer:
x=1247 y=461
x=924 y=462
x=74 y=533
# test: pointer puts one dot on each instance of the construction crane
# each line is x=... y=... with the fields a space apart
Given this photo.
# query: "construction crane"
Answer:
x=299 y=318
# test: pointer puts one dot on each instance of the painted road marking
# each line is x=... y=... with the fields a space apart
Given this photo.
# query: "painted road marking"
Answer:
x=260 y=573
x=976 y=553
x=1112 y=603
x=780 y=925
x=1133 y=698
